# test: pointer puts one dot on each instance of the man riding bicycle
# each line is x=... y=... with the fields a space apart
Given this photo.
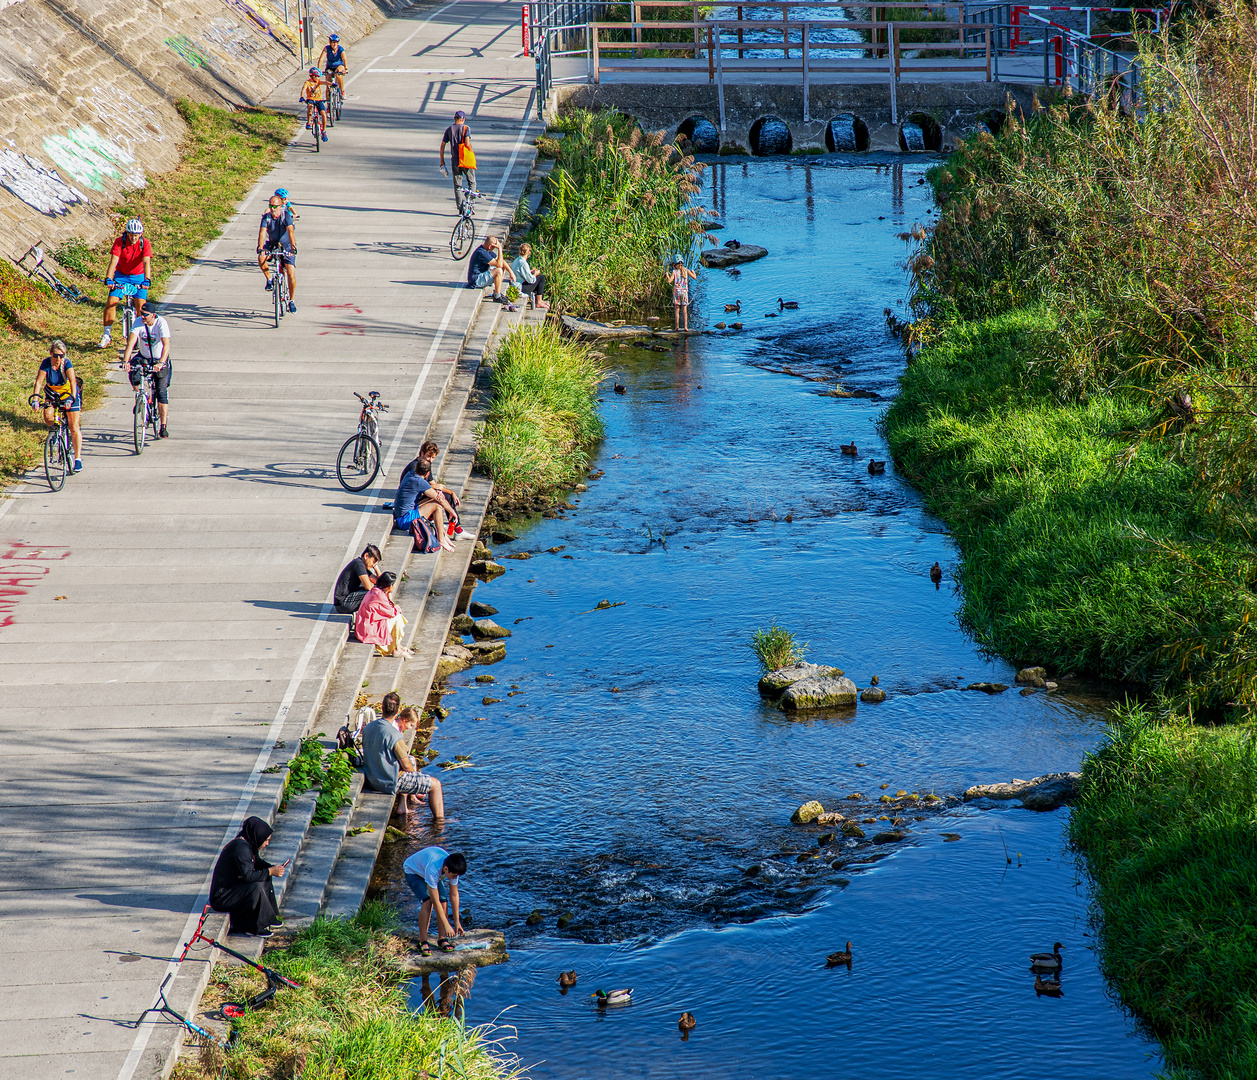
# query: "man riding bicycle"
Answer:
x=150 y=342
x=58 y=387
x=462 y=157
x=335 y=62
x=130 y=263
x=275 y=235
x=314 y=94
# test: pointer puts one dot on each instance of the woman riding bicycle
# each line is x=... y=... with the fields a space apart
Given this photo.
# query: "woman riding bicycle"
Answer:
x=335 y=62
x=58 y=387
x=130 y=263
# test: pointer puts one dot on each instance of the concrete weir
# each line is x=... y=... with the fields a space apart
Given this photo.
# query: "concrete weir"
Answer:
x=842 y=117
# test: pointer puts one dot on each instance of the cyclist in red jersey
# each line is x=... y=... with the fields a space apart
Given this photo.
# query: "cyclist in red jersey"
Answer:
x=130 y=263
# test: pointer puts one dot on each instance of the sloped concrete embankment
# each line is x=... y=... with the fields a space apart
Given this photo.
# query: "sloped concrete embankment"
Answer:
x=89 y=90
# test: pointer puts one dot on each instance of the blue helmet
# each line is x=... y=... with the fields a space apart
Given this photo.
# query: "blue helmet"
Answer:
x=334 y=37
x=282 y=192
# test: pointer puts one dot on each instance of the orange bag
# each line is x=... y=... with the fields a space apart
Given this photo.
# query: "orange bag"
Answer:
x=466 y=155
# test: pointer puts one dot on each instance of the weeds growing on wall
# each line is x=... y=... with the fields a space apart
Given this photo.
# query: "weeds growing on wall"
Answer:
x=223 y=155
x=616 y=211
x=544 y=417
x=350 y=1019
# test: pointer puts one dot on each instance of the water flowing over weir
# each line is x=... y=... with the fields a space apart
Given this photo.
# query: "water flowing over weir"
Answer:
x=630 y=785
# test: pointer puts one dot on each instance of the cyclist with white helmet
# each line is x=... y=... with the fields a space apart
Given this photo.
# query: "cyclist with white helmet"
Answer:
x=334 y=61
x=130 y=263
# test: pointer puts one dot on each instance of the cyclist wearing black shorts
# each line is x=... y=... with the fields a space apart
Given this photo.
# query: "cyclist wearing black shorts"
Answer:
x=275 y=234
x=335 y=62
x=150 y=342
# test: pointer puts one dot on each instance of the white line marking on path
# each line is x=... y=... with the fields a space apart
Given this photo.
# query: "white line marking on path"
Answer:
x=417 y=71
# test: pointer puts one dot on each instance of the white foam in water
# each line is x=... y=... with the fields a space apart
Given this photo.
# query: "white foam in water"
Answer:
x=913 y=136
x=774 y=137
x=842 y=130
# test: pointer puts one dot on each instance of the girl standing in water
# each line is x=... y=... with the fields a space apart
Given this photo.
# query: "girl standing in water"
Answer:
x=678 y=278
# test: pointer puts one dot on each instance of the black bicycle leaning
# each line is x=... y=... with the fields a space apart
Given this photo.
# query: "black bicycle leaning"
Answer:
x=58 y=457
x=359 y=457
x=464 y=235
x=41 y=272
x=145 y=414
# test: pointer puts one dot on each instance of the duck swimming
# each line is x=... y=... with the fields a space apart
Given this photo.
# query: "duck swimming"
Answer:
x=687 y=1022
x=612 y=997
x=567 y=978
x=734 y=307
x=792 y=305
x=876 y=468
x=1047 y=961
x=936 y=573
x=836 y=958
x=848 y=449
x=1047 y=987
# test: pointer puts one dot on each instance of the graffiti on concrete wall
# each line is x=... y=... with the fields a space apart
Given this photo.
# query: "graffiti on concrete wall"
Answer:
x=40 y=187
x=264 y=18
x=230 y=41
x=92 y=159
x=130 y=123
x=188 y=49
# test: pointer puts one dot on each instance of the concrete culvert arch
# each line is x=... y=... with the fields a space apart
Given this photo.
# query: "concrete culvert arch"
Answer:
x=701 y=133
x=920 y=132
x=770 y=135
x=846 y=133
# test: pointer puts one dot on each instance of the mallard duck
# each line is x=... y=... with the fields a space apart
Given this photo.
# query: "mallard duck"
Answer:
x=735 y=326
x=1047 y=987
x=612 y=997
x=1047 y=961
x=687 y=1022
x=734 y=307
x=567 y=978
x=876 y=468
x=848 y=449
x=936 y=573
x=836 y=958
x=620 y=388
x=734 y=244
x=791 y=304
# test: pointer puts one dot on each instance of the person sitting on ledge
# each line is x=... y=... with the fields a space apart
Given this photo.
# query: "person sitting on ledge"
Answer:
x=487 y=266
x=379 y=622
x=389 y=768
x=356 y=580
x=415 y=498
x=432 y=874
x=243 y=882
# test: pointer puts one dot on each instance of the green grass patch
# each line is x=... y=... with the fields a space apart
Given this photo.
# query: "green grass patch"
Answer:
x=543 y=421
x=1054 y=571
x=1166 y=821
x=349 y=1020
x=776 y=647
x=222 y=156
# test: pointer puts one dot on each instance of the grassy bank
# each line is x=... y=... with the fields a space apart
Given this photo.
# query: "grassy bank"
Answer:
x=182 y=210
x=349 y=1020
x=543 y=420
x=1082 y=412
x=616 y=210
x=1167 y=820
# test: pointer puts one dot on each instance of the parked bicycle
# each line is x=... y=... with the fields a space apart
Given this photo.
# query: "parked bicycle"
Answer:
x=41 y=272
x=144 y=415
x=463 y=238
x=277 y=264
x=58 y=455
x=359 y=457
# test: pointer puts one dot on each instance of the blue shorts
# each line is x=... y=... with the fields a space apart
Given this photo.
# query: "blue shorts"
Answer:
x=75 y=404
x=320 y=105
x=483 y=280
x=420 y=887
x=130 y=279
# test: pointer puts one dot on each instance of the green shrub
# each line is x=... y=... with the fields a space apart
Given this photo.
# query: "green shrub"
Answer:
x=776 y=647
x=75 y=254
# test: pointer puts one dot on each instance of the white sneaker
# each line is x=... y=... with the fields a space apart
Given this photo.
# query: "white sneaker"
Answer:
x=106 y=339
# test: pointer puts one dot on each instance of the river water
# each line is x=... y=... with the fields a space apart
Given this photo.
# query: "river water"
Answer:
x=635 y=776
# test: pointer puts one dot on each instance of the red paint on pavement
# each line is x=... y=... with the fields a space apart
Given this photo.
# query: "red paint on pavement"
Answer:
x=22 y=567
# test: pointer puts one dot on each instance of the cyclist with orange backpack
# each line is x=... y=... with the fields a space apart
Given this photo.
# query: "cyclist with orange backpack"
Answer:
x=462 y=156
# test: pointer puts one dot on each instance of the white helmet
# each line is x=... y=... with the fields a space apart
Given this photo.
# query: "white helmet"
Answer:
x=135 y=225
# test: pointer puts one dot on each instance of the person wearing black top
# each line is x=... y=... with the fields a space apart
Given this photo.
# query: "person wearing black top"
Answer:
x=356 y=580
x=242 y=883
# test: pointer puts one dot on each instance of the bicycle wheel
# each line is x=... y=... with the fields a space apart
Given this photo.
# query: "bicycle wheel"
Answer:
x=317 y=128
x=358 y=462
x=154 y=416
x=138 y=417
x=340 y=100
x=278 y=281
x=462 y=238
x=54 y=460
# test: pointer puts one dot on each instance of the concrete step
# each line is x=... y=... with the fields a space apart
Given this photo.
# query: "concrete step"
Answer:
x=314 y=865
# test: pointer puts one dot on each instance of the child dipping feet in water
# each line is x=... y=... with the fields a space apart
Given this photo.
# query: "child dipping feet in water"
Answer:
x=678 y=278
x=432 y=874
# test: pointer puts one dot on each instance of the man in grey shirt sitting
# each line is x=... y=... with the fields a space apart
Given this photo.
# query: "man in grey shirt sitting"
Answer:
x=389 y=768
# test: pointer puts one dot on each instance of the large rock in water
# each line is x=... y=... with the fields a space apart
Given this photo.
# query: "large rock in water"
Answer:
x=776 y=682
x=487 y=629
x=1045 y=792
x=822 y=693
x=453 y=658
x=807 y=813
x=590 y=329
x=719 y=258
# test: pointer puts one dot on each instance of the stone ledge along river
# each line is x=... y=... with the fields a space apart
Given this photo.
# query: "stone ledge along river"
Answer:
x=630 y=776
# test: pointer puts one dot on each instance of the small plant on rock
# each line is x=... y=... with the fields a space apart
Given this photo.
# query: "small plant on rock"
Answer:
x=776 y=647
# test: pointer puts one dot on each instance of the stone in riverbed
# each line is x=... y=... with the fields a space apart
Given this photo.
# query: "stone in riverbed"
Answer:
x=1032 y=676
x=807 y=813
x=535 y=918
x=719 y=258
x=988 y=687
x=454 y=658
x=479 y=611
x=501 y=536
x=889 y=837
x=873 y=694
x=520 y=555
x=830 y=817
x=852 y=830
x=823 y=693
x=1045 y=792
x=481 y=552
x=777 y=682
x=485 y=568
x=462 y=624
x=487 y=629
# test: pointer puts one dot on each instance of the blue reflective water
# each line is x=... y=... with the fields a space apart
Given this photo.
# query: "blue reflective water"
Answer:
x=634 y=775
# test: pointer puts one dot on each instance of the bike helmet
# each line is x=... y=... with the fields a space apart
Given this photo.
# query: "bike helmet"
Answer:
x=334 y=37
x=135 y=225
x=282 y=192
x=315 y=71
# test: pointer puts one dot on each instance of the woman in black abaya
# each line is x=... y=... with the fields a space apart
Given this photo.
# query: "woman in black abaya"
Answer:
x=242 y=882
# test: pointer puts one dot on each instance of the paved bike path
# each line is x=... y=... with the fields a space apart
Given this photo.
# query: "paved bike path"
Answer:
x=166 y=614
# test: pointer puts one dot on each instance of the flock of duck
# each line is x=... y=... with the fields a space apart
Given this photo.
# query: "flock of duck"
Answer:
x=782 y=305
x=1041 y=964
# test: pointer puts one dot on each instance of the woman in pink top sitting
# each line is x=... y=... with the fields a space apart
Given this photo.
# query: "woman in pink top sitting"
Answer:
x=378 y=621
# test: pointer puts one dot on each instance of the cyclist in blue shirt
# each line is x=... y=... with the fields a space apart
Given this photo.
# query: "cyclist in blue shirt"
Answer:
x=58 y=387
x=275 y=234
x=336 y=62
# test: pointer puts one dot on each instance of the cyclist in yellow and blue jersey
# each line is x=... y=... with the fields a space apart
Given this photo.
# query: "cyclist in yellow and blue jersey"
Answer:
x=314 y=94
x=58 y=387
